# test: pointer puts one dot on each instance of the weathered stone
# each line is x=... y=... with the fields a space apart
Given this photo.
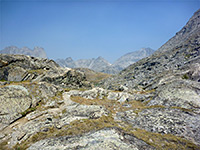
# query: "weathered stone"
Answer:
x=103 y=139
x=168 y=121
x=179 y=93
x=14 y=100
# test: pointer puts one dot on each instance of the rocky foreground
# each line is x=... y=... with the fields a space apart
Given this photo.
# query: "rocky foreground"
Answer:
x=152 y=104
x=39 y=115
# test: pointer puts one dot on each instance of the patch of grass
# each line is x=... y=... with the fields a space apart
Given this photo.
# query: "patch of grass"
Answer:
x=187 y=56
x=3 y=145
x=28 y=111
x=57 y=96
x=144 y=91
x=37 y=71
x=181 y=108
x=112 y=105
x=22 y=83
x=3 y=80
x=163 y=141
x=185 y=76
x=76 y=127
x=83 y=126
x=64 y=111
x=94 y=77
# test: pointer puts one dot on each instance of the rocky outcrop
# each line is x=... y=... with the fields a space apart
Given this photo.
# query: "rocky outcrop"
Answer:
x=26 y=68
x=192 y=27
x=103 y=139
x=100 y=118
x=14 y=100
x=51 y=113
x=36 y=52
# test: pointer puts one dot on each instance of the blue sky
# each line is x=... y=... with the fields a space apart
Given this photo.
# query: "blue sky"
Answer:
x=92 y=28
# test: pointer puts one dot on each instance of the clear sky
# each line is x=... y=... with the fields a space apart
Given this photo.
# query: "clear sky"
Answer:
x=92 y=28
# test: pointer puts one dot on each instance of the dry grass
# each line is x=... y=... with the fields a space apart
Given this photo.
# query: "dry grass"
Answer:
x=37 y=71
x=164 y=141
x=76 y=127
x=112 y=105
x=94 y=77
x=17 y=83
x=3 y=145
x=144 y=91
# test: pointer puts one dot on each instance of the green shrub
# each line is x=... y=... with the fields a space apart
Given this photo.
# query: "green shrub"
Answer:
x=185 y=76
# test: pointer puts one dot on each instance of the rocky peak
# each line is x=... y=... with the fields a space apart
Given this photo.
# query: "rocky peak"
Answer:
x=132 y=57
x=101 y=65
x=39 y=49
x=146 y=51
x=95 y=64
x=68 y=59
x=36 y=52
x=101 y=60
x=192 y=27
x=9 y=49
x=25 y=49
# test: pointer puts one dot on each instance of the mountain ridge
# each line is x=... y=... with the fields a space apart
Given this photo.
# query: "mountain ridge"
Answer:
x=101 y=65
x=36 y=52
x=192 y=26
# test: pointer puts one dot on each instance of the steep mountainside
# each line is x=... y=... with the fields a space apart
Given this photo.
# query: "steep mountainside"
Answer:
x=36 y=52
x=174 y=76
x=175 y=59
x=192 y=27
x=101 y=65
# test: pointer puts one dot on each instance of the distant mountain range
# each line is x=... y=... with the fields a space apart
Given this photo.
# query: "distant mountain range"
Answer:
x=101 y=65
x=36 y=52
x=97 y=64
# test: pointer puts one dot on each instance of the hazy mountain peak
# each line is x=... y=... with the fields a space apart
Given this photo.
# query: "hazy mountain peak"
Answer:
x=68 y=59
x=132 y=57
x=101 y=65
x=100 y=57
x=36 y=52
